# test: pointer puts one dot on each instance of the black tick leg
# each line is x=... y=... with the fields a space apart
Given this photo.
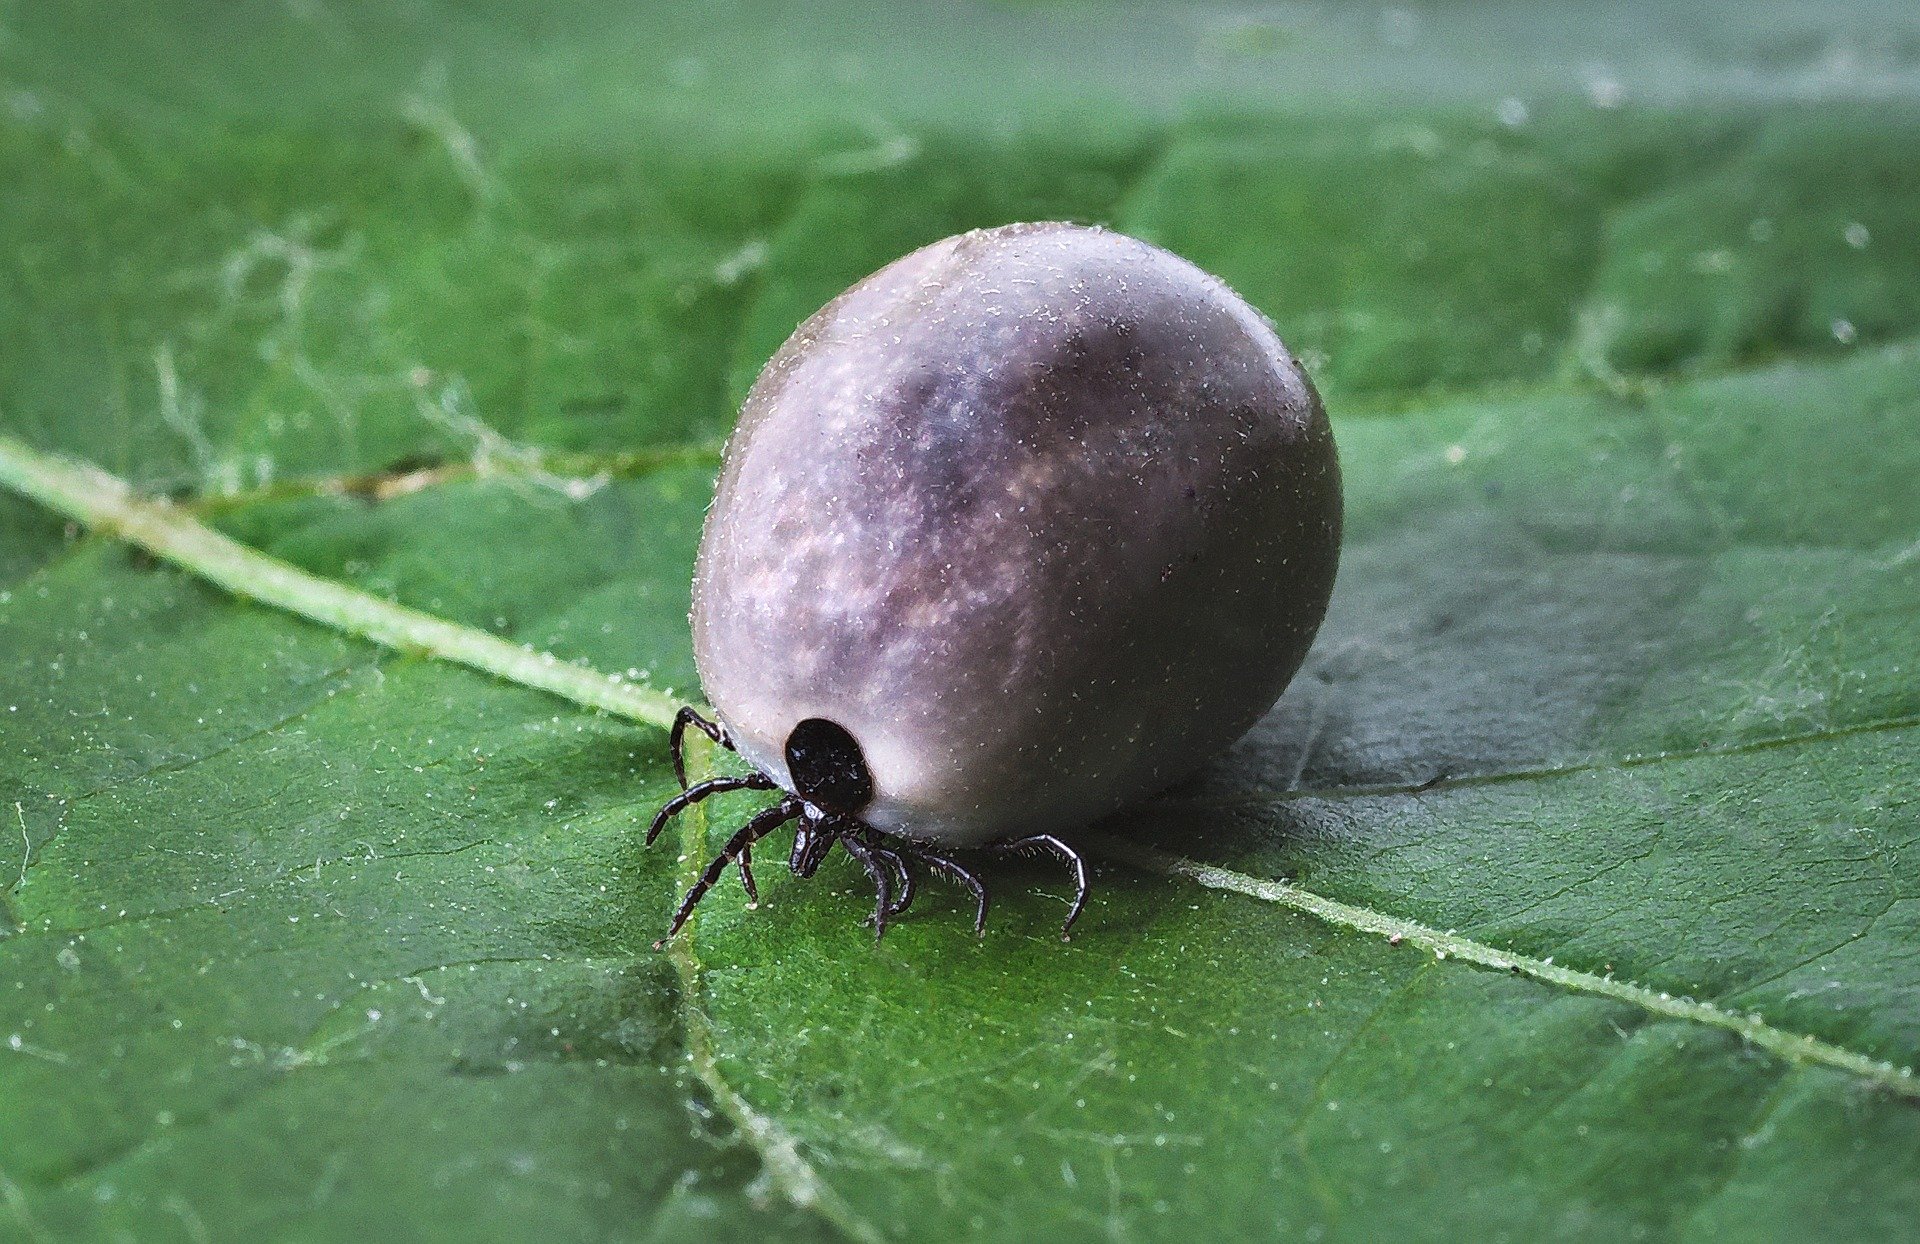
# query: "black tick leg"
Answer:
x=694 y=794
x=895 y=858
x=877 y=873
x=960 y=873
x=1047 y=844
x=903 y=877
x=763 y=823
x=746 y=876
x=677 y=736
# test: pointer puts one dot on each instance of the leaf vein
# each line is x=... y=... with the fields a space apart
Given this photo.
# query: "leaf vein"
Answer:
x=1790 y=1046
x=779 y=1149
x=94 y=497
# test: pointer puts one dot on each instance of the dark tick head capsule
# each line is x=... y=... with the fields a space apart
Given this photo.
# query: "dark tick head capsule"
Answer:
x=1021 y=528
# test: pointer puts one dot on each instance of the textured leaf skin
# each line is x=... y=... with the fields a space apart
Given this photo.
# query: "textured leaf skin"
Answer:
x=1619 y=322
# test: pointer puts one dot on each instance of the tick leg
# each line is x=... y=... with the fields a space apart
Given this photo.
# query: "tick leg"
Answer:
x=746 y=876
x=676 y=738
x=882 y=883
x=958 y=872
x=763 y=823
x=694 y=794
x=902 y=875
x=1047 y=844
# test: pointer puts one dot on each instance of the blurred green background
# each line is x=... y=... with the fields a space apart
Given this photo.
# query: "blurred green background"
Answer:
x=1615 y=309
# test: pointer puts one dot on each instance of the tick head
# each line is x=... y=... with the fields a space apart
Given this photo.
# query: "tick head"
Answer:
x=828 y=769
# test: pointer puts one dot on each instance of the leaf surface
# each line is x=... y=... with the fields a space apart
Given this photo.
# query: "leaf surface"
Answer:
x=1572 y=890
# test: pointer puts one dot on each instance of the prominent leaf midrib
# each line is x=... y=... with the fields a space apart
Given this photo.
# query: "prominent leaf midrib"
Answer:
x=98 y=499
x=1791 y=1046
x=107 y=503
x=796 y=1177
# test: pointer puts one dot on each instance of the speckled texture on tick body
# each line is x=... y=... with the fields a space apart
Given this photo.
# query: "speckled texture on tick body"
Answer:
x=1045 y=516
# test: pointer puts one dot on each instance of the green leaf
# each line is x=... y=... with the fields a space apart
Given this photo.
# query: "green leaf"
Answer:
x=1570 y=891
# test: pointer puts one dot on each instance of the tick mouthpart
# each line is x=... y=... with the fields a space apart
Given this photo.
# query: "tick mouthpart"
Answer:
x=811 y=841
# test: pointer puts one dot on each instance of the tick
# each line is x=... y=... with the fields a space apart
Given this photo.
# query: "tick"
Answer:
x=1016 y=531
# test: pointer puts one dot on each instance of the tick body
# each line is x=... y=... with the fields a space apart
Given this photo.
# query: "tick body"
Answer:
x=1018 y=530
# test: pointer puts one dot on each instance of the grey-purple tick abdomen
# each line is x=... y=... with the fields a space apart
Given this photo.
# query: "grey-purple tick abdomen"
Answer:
x=1044 y=516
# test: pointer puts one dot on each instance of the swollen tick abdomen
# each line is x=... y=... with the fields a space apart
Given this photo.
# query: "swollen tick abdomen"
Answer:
x=1015 y=531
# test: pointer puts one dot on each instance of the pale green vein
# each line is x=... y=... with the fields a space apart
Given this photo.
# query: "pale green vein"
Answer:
x=1792 y=1046
x=103 y=501
x=567 y=472
x=107 y=503
x=778 y=1149
x=578 y=472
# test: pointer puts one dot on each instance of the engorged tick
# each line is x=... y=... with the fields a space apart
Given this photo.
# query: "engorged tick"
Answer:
x=1019 y=529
